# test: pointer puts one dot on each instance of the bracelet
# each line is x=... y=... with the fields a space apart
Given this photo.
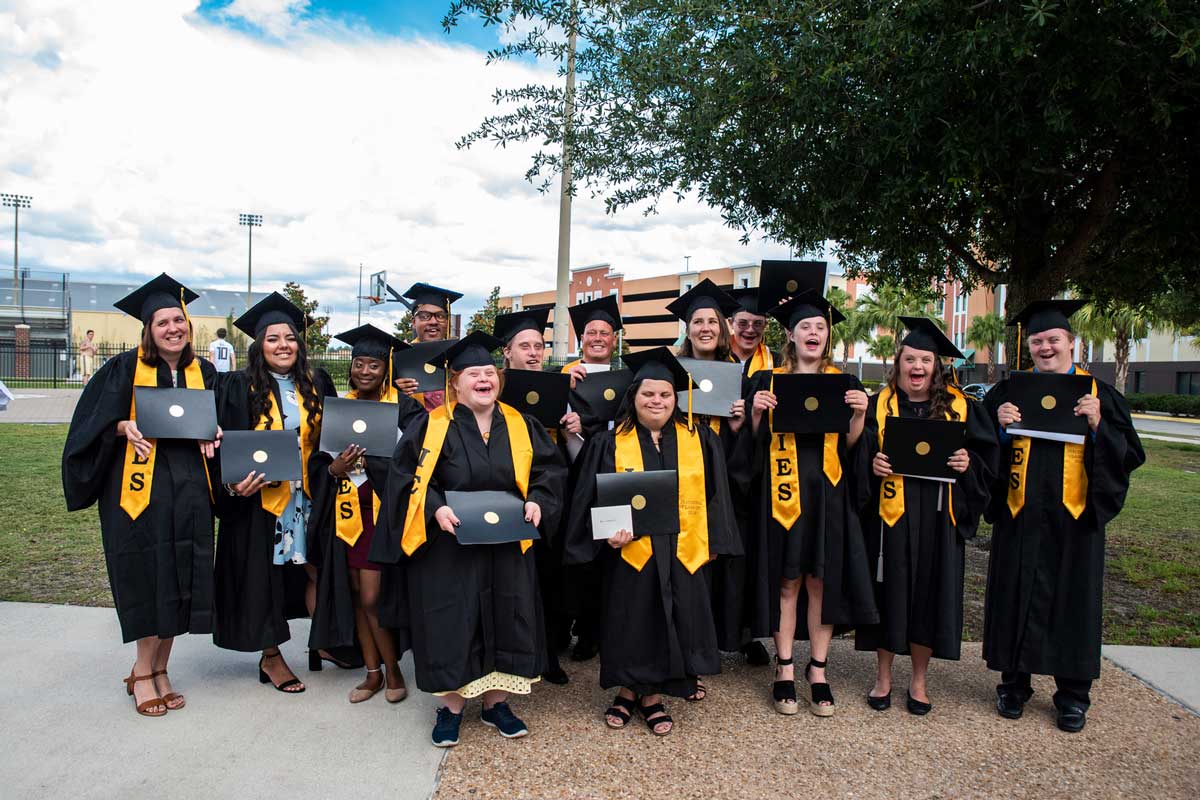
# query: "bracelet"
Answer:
x=229 y=488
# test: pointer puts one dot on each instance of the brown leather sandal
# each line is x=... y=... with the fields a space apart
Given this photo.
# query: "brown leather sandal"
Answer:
x=144 y=707
x=169 y=697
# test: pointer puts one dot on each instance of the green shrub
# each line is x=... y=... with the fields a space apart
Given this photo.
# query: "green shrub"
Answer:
x=1175 y=404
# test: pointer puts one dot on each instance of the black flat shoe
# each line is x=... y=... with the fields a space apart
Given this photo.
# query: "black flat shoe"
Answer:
x=756 y=654
x=1009 y=707
x=584 y=650
x=1071 y=719
x=556 y=675
x=880 y=703
x=918 y=708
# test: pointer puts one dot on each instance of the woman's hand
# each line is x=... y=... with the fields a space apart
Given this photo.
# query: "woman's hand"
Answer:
x=763 y=401
x=737 y=414
x=209 y=449
x=250 y=484
x=959 y=460
x=620 y=539
x=577 y=373
x=881 y=466
x=129 y=429
x=445 y=519
x=406 y=385
x=857 y=400
x=571 y=423
x=345 y=460
x=1089 y=406
x=533 y=513
x=1007 y=414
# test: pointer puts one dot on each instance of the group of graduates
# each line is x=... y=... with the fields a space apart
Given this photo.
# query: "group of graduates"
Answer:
x=783 y=535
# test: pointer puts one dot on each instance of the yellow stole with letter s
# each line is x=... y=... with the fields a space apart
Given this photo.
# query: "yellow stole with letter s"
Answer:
x=275 y=496
x=520 y=449
x=692 y=546
x=1074 y=479
x=138 y=473
x=785 y=478
x=348 y=511
x=891 y=490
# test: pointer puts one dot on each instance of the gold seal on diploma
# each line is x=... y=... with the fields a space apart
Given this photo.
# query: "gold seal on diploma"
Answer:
x=792 y=286
x=638 y=502
x=532 y=398
x=175 y=411
x=491 y=517
x=922 y=448
x=706 y=385
x=359 y=426
x=811 y=403
x=1048 y=402
x=610 y=394
x=430 y=369
x=260 y=456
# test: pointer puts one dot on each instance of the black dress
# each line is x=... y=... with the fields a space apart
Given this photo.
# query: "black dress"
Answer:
x=472 y=609
x=159 y=565
x=921 y=597
x=1045 y=586
x=657 y=631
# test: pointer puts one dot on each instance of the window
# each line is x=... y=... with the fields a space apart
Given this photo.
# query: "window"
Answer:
x=516 y=304
x=612 y=292
x=1138 y=381
x=1187 y=383
x=745 y=283
x=939 y=306
x=578 y=298
x=687 y=287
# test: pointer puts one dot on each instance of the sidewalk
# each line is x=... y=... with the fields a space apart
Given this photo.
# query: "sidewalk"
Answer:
x=41 y=405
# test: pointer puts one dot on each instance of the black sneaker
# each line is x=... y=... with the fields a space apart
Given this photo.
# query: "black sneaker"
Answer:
x=445 y=730
x=501 y=717
x=756 y=654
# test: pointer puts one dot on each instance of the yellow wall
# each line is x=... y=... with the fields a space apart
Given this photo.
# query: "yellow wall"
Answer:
x=113 y=328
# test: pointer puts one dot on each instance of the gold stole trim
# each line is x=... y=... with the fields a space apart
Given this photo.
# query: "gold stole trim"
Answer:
x=520 y=450
x=1074 y=479
x=692 y=546
x=348 y=509
x=567 y=367
x=274 y=496
x=785 y=480
x=761 y=359
x=137 y=475
x=891 y=489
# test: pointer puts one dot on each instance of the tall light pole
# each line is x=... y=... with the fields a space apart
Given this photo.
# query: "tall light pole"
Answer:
x=562 y=322
x=251 y=221
x=16 y=202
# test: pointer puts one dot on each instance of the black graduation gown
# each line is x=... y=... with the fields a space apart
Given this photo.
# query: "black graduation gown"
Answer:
x=657 y=631
x=826 y=541
x=255 y=597
x=472 y=609
x=1044 y=603
x=159 y=565
x=921 y=597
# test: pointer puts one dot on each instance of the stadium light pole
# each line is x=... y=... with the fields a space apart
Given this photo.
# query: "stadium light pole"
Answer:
x=251 y=221
x=16 y=202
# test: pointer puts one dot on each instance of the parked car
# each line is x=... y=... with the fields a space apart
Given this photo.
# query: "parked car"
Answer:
x=977 y=390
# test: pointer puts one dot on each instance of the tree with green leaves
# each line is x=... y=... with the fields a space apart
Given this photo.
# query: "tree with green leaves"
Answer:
x=854 y=329
x=1045 y=145
x=236 y=338
x=886 y=303
x=404 y=328
x=1122 y=325
x=987 y=330
x=316 y=338
x=485 y=318
x=882 y=347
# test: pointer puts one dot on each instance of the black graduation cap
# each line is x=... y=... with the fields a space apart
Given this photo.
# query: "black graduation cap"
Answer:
x=1042 y=315
x=705 y=294
x=660 y=364
x=473 y=350
x=161 y=292
x=509 y=325
x=747 y=298
x=781 y=279
x=367 y=341
x=424 y=294
x=803 y=306
x=602 y=308
x=272 y=310
x=924 y=334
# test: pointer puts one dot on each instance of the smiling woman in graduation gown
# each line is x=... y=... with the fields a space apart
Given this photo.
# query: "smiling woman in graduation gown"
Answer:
x=657 y=632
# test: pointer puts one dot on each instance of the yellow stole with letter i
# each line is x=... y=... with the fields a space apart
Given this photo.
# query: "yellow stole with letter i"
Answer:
x=692 y=546
x=785 y=478
x=275 y=496
x=138 y=473
x=891 y=490
x=520 y=449
x=348 y=515
x=1074 y=479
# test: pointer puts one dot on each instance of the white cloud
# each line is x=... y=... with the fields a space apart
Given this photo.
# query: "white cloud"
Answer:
x=142 y=131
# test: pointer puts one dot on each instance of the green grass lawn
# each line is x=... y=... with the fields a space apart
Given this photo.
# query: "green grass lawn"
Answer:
x=1152 y=586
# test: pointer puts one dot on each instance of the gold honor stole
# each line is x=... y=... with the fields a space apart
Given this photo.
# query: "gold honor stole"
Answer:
x=138 y=473
x=1074 y=479
x=760 y=360
x=520 y=449
x=275 y=495
x=348 y=517
x=692 y=546
x=891 y=490
x=785 y=478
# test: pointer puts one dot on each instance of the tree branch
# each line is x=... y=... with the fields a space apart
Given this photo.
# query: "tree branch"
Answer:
x=1103 y=201
x=985 y=273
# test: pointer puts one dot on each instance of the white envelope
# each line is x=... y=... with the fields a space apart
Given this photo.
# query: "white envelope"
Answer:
x=607 y=520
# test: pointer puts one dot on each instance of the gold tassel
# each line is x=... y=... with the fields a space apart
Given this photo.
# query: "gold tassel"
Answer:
x=691 y=427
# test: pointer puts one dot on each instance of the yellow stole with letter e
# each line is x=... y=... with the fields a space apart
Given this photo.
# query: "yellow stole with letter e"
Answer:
x=520 y=449
x=348 y=515
x=1074 y=479
x=138 y=473
x=891 y=490
x=785 y=478
x=275 y=496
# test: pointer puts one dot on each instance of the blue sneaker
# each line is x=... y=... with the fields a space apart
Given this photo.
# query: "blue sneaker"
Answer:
x=501 y=717
x=445 y=730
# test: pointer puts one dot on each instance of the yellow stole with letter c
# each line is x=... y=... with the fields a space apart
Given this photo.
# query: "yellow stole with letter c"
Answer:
x=348 y=513
x=891 y=490
x=138 y=473
x=785 y=478
x=520 y=449
x=692 y=546
x=275 y=496
x=1074 y=479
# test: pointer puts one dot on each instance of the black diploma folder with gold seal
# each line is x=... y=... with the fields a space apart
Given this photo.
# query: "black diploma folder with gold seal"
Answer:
x=411 y=363
x=812 y=403
x=600 y=393
x=542 y=395
x=490 y=517
x=653 y=495
x=1047 y=404
x=920 y=448
x=366 y=423
x=273 y=454
x=176 y=413
x=718 y=386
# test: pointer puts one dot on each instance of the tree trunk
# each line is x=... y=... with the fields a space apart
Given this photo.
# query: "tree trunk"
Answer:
x=992 y=352
x=1121 y=356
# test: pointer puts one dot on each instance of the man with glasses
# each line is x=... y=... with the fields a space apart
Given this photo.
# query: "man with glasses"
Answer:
x=747 y=326
x=431 y=323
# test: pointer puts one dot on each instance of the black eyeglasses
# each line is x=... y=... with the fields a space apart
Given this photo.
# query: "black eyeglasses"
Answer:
x=425 y=316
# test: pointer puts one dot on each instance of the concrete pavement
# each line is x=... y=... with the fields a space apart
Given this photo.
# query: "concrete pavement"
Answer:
x=1171 y=671
x=41 y=405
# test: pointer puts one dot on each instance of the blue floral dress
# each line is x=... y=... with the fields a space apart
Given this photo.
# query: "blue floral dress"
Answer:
x=291 y=527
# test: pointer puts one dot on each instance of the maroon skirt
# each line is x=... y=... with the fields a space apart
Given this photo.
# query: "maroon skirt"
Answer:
x=357 y=557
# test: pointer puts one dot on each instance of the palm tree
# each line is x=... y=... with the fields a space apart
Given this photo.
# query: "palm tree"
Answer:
x=889 y=302
x=882 y=347
x=987 y=331
x=854 y=329
x=1122 y=325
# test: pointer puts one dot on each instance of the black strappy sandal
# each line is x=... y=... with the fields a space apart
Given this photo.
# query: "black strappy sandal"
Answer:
x=820 y=691
x=649 y=711
x=784 y=692
x=622 y=708
x=700 y=693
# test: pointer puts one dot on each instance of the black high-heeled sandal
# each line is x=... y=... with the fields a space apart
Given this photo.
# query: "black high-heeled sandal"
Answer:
x=784 y=692
x=284 y=687
x=821 y=692
x=315 y=658
x=622 y=708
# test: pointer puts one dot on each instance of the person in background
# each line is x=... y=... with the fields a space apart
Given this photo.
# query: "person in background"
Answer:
x=220 y=353
x=431 y=323
x=87 y=357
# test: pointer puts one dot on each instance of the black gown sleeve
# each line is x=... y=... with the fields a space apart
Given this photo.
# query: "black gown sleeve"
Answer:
x=385 y=544
x=1115 y=453
x=547 y=479
x=92 y=441
x=724 y=538
x=597 y=456
x=997 y=503
x=973 y=488
x=233 y=414
x=864 y=482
